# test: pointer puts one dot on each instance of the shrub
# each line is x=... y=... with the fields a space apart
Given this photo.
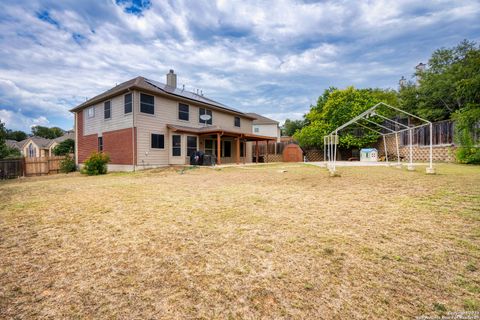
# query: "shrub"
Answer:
x=67 y=165
x=96 y=164
x=467 y=131
x=65 y=147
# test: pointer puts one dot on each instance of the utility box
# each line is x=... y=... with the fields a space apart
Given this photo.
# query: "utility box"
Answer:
x=369 y=155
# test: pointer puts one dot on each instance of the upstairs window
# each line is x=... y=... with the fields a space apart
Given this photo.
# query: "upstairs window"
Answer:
x=100 y=144
x=147 y=103
x=32 y=151
x=91 y=112
x=256 y=129
x=107 y=109
x=237 y=122
x=127 y=99
x=158 y=141
x=176 y=145
x=205 y=112
x=183 y=111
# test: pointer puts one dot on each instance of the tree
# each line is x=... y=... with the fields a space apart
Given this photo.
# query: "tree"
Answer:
x=64 y=148
x=6 y=151
x=16 y=135
x=291 y=126
x=450 y=83
x=450 y=89
x=334 y=108
x=48 y=133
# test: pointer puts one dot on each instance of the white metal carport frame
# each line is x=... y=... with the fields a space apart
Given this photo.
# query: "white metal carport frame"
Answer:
x=331 y=140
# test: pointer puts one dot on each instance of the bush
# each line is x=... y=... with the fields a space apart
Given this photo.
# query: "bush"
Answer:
x=96 y=164
x=467 y=131
x=468 y=155
x=67 y=165
x=65 y=147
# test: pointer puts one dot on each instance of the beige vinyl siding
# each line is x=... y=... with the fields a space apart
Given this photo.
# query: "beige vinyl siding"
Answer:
x=98 y=124
x=166 y=112
x=269 y=130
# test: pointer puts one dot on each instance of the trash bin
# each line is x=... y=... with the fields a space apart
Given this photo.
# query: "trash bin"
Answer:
x=196 y=159
x=209 y=160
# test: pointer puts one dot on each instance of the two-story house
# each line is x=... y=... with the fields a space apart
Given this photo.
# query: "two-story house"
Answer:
x=265 y=126
x=143 y=123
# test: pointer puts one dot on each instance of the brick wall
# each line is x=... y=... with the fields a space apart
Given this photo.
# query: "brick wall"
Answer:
x=85 y=144
x=118 y=144
x=420 y=153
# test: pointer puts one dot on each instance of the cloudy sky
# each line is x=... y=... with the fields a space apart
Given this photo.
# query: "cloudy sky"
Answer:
x=270 y=57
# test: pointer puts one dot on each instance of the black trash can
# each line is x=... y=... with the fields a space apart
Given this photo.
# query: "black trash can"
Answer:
x=196 y=159
x=209 y=160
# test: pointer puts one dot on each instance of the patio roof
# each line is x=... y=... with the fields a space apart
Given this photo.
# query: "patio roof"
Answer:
x=209 y=130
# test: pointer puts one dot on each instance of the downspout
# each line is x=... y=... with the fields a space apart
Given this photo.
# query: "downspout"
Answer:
x=134 y=150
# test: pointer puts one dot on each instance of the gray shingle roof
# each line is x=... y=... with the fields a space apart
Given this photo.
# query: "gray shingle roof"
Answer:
x=259 y=119
x=13 y=144
x=142 y=83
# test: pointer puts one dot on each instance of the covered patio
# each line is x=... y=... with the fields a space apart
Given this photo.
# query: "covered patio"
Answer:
x=227 y=146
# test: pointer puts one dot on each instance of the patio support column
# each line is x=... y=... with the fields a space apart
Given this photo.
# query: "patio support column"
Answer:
x=244 y=152
x=219 y=152
x=266 y=154
x=238 y=150
x=256 y=151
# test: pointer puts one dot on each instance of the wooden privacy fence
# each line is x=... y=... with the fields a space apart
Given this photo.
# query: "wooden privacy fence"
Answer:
x=13 y=168
x=42 y=165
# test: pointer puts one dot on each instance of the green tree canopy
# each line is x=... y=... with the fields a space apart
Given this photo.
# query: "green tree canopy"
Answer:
x=6 y=151
x=46 y=132
x=291 y=126
x=334 y=108
x=16 y=135
x=65 y=147
x=450 y=83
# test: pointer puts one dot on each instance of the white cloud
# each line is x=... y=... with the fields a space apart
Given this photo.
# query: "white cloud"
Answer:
x=18 y=121
x=286 y=53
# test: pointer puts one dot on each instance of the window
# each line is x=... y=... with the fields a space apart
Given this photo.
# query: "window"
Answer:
x=32 y=151
x=207 y=112
x=227 y=149
x=127 y=99
x=176 y=145
x=100 y=144
x=183 y=111
x=256 y=129
x=210 y=147
x=191 y=145
x=91 y=112
x=237 y=122
x=147 y=103
x=107 y=110
x=158 y=141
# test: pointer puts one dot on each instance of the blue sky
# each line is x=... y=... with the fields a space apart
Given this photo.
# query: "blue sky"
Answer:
x=269 y=57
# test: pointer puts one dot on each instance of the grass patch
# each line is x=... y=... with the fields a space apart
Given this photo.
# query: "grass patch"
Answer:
x=268 y=241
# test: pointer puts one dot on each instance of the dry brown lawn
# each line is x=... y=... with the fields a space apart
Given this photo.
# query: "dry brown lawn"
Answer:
x=241 y=243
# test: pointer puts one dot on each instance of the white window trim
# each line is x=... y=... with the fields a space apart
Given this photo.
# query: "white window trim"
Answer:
x=93 y=112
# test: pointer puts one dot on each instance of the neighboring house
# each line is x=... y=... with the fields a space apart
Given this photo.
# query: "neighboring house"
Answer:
x=34 y=147
x=143 y=123
x=265 y=126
